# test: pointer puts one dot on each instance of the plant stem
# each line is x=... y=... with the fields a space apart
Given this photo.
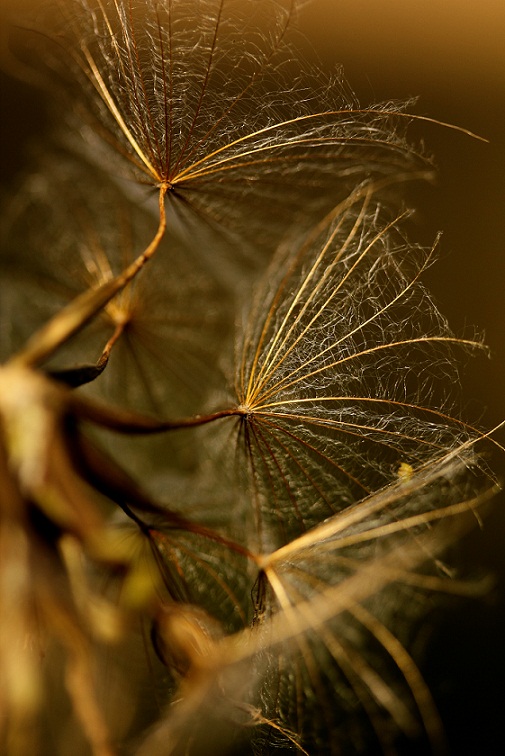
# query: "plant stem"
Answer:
x=72 y=318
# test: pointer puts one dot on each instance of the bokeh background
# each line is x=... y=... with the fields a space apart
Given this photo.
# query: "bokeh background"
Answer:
x=449 y=54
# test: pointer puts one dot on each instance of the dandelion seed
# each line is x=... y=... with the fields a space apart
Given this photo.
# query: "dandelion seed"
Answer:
x=337 y=377
x=163 y=352
x=193 y=109
x=326 y=658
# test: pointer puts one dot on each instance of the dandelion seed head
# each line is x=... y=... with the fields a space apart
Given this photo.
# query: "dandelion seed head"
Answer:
x=216 y=116
x=339 y=370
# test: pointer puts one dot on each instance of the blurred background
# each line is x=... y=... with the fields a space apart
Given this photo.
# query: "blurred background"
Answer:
x=450 y=55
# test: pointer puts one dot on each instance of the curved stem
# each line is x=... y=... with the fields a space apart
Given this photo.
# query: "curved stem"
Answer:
x=124 y=421
x=72 y=318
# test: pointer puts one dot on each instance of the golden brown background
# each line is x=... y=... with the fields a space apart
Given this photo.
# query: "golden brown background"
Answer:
x=450 y=54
